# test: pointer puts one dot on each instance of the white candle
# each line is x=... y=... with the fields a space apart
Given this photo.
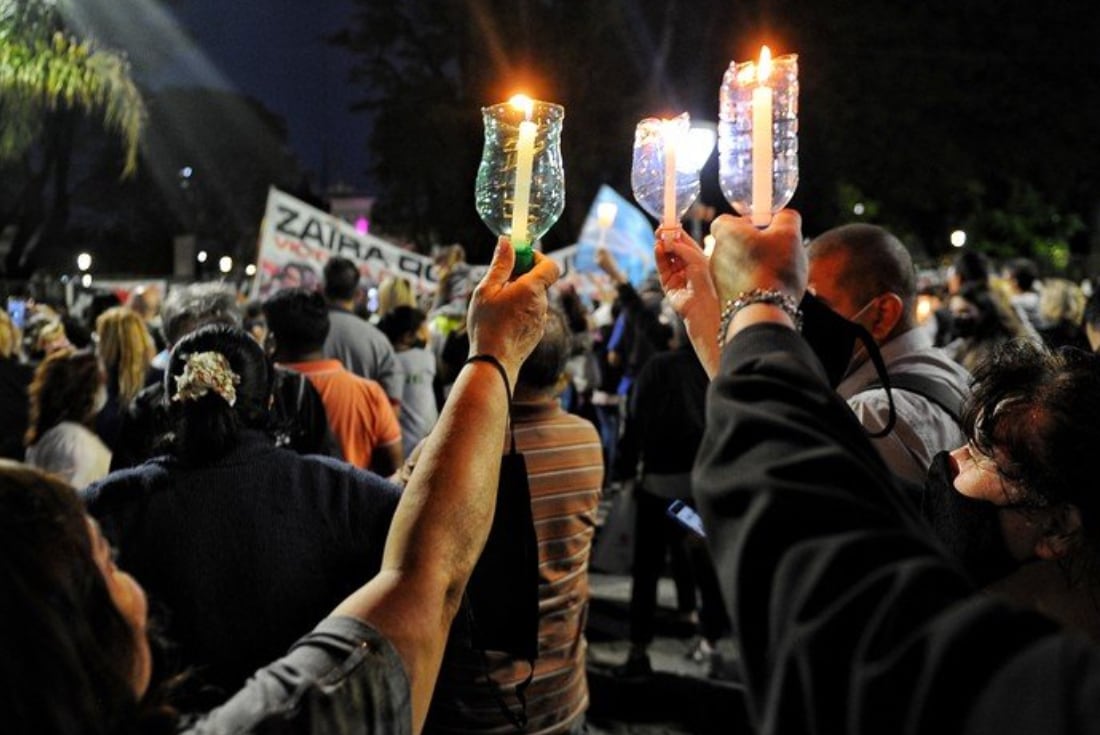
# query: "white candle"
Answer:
x=671 y=131
x=762 y=142
x=525 y=158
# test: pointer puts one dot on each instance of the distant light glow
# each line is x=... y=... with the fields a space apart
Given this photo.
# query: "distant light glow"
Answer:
x=859 y=209
x=83 y=262
x=958 y=238
x=362 y=226
x=250 y=269
x=186 y=172
x=605 y=214
x=225 y=264
x=86 y=280
x=202 y=256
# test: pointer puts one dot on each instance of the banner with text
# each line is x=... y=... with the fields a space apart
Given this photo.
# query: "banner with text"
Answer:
x=296 y=240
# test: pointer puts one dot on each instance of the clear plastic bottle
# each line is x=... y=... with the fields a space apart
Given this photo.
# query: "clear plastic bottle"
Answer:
x=735 y=132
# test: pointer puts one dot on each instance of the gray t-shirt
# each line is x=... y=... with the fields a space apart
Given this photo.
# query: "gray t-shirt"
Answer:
x=343 y=678
x=418 y=410
x=364 y=350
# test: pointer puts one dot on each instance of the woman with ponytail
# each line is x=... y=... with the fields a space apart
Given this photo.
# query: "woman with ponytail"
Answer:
x=247 y=544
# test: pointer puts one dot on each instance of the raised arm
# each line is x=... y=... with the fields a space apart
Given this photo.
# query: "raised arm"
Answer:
x=445 y=513
x=849 y=615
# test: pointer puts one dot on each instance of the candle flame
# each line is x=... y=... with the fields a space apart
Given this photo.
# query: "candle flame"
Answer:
x=523 y=103
x=764 y=68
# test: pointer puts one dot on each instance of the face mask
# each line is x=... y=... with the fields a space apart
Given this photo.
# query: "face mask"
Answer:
x=971 y=529
x=834 y=338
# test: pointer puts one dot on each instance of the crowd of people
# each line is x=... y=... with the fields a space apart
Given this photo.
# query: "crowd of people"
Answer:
x=292 y=515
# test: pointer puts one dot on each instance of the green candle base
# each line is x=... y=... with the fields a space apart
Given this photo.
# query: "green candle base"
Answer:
x=525 y=259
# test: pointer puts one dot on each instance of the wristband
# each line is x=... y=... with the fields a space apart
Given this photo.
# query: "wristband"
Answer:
x=500 y=369
x=757 y=296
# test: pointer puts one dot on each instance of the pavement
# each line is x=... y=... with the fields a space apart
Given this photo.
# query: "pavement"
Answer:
x=679 y=697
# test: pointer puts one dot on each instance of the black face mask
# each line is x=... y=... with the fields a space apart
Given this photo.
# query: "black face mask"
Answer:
x=833 y=339
x=971 y=529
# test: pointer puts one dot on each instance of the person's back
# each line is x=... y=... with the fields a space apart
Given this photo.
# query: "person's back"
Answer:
x=406 y=328
x=358 y=410
x=248 y=547
x=359 y=346
x=564 y=466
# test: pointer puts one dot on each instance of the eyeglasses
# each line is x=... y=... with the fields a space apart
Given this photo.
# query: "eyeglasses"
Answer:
x=1027 y=499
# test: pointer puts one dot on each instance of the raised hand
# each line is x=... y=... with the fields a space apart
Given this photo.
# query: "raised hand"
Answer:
x=686 y=280
x=506 y=318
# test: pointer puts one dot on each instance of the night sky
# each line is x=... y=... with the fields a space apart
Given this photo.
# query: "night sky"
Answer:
x=273 y=51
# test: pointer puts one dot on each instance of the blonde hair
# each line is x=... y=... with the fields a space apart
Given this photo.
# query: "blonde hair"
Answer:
x=393 y=292
x=126 y=349
x=1061 y=301
x=10 y=337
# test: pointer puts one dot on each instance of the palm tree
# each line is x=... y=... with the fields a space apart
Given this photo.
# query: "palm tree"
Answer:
x=49 y=81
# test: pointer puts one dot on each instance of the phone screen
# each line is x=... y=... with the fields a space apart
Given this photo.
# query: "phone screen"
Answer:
x=686 y=516
x=17 y=310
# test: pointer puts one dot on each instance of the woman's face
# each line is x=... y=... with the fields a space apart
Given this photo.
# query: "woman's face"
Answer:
x=129 y=598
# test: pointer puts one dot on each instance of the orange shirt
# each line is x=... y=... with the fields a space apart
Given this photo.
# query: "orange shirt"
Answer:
x=358 y=410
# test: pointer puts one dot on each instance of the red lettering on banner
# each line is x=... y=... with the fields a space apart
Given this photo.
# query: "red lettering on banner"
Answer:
x=301 y=250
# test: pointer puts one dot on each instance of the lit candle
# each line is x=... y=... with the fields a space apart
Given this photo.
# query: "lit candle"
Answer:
x=605 y=217
x=671 y=132
x=762 y=142
x=525 y=158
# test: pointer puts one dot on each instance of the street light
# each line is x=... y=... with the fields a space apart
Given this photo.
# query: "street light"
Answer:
x=86 y=280
x=84 y=262
x=250 y=270
x=202 y=256
x=225 y=264
x=958 y=238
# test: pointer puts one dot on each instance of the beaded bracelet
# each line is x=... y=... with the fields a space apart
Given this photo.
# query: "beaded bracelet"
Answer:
x=757 y=296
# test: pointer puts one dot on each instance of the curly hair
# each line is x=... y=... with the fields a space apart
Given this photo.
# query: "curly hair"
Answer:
x=63 y=389
x=1035 y=410
x=126 y=348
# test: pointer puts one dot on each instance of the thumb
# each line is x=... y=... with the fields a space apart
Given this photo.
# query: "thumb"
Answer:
x=500 y=269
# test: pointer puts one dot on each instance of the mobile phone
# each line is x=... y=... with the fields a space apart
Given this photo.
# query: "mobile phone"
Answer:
x=17 y=310
x=686 y=516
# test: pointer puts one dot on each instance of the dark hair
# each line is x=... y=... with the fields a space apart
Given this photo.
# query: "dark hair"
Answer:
x=400 y=321
x=876 y=263
x=545 y=364
x=996 y=316
x=68 y=651
x=207 y=427
x=299 y=320
x=971 y=267
x=63 y=389
x=341 y=278
x=1023 y=271
x=190 y=307
x=1037 y=408
x=576 y=314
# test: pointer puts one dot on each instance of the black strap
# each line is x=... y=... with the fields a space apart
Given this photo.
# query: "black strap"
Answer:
x=927 y=387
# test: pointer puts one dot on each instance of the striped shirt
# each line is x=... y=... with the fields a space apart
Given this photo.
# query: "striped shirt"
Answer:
x=565 y=474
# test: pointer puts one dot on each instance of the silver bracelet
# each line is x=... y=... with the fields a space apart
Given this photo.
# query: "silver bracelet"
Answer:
x=757 y=296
